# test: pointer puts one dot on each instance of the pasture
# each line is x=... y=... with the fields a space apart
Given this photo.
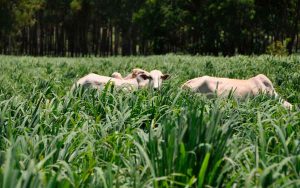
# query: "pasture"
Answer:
x=50 y=137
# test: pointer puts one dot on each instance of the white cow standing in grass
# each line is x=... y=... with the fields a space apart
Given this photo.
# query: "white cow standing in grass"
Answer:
x=98 y=82
x=239 y=88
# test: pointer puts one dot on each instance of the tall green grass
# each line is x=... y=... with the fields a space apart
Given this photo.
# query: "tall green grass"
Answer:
x=51 y=137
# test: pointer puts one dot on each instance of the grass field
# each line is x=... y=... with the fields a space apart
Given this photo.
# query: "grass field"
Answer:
x=50 y=137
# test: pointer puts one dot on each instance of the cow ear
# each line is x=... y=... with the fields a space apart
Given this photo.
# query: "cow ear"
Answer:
x=165 y=76
x=145 y=76
x=135 y=72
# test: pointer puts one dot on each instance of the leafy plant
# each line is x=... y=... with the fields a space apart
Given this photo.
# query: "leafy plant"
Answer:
x=278 y=48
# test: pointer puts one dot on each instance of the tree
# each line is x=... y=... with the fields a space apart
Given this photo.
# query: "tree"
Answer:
x=113 y=27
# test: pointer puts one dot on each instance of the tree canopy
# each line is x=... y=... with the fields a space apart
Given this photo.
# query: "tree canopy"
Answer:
x=130 y=27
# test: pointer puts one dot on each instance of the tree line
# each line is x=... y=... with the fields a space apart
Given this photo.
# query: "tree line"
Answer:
x=131 y=27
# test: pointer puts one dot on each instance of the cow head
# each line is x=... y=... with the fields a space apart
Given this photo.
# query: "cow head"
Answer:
x=153 y=79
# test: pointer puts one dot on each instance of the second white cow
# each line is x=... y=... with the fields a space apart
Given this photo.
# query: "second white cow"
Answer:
x=239 y=88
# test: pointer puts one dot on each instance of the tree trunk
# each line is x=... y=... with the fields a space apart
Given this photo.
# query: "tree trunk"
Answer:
x=126 y=41
x=116 y=46
x=294 y=31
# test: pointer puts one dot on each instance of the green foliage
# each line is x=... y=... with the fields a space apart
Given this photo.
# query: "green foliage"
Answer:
x=277 y=48
x=130 y=27
x=51 y=137
x=76 y=5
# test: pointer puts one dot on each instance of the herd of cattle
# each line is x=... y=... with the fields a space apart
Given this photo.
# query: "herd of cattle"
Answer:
x=208 y=85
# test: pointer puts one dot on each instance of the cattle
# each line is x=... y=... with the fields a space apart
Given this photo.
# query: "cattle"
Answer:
x=98 y=82
x=239 y=88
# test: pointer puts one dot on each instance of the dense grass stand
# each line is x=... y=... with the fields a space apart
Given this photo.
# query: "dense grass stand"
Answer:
x=52 y=137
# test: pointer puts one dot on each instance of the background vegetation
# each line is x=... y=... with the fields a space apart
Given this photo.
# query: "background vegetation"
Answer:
x=51 y=137
x=114 y=27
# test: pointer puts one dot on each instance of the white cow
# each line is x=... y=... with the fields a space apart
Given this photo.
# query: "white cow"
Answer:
x=98 y=82
x=239 y=88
